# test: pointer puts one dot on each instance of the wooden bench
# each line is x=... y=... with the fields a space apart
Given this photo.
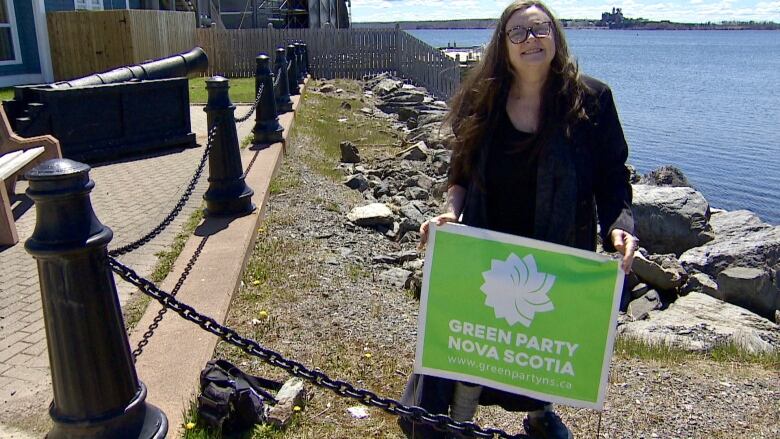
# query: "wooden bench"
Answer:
x=17 y=155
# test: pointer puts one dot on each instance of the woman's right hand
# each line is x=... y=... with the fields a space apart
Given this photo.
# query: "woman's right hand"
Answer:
x=448 y=217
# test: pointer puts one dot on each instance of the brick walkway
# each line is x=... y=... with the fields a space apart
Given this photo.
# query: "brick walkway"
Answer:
x=131 y=198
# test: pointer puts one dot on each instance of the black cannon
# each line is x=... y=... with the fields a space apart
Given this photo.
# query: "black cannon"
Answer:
x=128 y=110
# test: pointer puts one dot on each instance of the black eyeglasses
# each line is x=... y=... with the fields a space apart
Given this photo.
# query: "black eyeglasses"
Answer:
x=518 y=34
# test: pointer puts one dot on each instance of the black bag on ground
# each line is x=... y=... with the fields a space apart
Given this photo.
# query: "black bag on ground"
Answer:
x=231 y=400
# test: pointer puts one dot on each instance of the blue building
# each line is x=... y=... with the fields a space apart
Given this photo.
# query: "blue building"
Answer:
x=25 y=55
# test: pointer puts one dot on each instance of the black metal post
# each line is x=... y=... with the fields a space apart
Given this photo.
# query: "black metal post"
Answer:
x=227 y=194
x=299 y=62
x=97 y=393
x=306 y=59
x=267 y=128
x=283 y=101
x=292 y=74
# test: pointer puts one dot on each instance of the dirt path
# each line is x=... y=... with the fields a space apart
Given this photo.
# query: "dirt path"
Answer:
x=312 y=275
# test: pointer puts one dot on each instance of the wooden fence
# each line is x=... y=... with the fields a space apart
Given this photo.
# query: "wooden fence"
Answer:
x=85 y=42
x=335 y=53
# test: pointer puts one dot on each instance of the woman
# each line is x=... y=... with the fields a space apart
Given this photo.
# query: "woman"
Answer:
x=539 y=152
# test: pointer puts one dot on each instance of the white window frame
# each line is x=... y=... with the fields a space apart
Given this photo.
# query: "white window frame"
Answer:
x=88 y=8
x=9 y=7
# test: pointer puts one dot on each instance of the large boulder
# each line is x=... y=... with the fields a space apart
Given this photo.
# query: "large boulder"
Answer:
x=671 y=219
x=750 y=288
x=735 y=224
x=700 y=322
x=758 y=249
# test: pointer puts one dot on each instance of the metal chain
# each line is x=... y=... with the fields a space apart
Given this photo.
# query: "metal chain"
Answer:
x=179 y=205
x=278 y=78
x=159 y=317
x=246 y=117
x=341 y=388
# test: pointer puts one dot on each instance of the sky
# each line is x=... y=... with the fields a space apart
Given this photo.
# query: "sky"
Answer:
x=689 y=11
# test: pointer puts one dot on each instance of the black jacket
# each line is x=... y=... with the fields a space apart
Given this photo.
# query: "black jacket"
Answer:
x=578 y=180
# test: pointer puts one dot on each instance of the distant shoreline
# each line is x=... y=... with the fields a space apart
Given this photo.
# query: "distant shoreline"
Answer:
x=489 y=23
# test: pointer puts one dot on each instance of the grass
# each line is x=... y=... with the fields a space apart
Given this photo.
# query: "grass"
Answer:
x=6 y=94
x=631 y=347
x=326 y=120
x=134 y=310
x=166 y=258
x=242 y=90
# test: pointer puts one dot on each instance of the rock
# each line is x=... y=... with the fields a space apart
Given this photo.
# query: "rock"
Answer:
x=661 y=271
x=416 y=193
x=700 y=322
x=381 y=189
x=397 y=277
x=405 y=113
x=367 y=111
x=671 y=219
x=339 y=90
x=759 y=249
x=701 y=283
x=386 y=86
x=327 y=88
x=750 y=288
x=640 y=308
x=357 y=182
x=424 y=182
x=418 y=151
x=415 y=265
x=739 y=223
x=639 y=290
x=375 y=214
x=346 y=105
x=633 y=178
x=404 y=96
x=429 y=118
x=349 y=152
x=384 y=259
x=414 y=214
x=291 y=394
x=406 y=256
x=666 y=176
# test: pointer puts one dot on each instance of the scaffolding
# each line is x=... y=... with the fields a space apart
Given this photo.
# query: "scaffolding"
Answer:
x=285 y=14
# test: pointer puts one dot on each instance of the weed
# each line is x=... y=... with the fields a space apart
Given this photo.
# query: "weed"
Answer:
x=632 y=347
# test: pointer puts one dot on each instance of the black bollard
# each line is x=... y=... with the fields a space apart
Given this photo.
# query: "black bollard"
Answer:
x=227 y=194
x=267 y=128
x=292 y=74
x=306 y=59
x=97 y=393
x=299 y=62
x=283 y=101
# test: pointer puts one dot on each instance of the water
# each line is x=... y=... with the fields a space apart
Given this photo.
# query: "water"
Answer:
x=705 y=101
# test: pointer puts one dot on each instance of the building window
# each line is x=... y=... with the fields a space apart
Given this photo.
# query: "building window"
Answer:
x=93 y=5
x=9 y=37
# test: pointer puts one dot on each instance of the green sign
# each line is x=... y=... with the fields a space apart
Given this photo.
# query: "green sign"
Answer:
x=517 y=314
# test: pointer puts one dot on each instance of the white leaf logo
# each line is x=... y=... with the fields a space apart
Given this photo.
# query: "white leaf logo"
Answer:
x=516 y=290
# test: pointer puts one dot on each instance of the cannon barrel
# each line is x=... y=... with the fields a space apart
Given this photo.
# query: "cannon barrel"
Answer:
x=174 y=66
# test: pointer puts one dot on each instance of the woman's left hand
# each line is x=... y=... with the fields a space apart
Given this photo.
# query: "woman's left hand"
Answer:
x=626 y=244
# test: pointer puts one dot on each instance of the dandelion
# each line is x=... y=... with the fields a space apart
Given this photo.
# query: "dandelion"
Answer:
x=367 y=355
x=297 y=408
x=255 y=282
x=189 y=425
x=263 y=314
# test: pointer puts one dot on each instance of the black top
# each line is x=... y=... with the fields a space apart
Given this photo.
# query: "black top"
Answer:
x=510 y=180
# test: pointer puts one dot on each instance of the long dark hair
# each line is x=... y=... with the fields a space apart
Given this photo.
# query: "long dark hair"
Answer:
x=481 y=99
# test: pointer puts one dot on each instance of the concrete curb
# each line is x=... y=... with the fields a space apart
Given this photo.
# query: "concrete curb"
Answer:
x=170 y=364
